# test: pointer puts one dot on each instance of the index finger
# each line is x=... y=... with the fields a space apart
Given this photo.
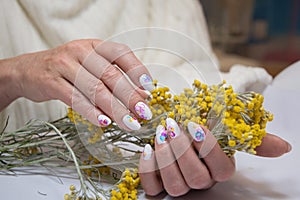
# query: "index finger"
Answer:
x=123 y=56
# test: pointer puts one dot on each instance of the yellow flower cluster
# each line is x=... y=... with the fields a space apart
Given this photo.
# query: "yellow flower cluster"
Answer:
x=127 y=188
x=74 y=195
x=238 y=121
x=245 y=118
x=160 y=103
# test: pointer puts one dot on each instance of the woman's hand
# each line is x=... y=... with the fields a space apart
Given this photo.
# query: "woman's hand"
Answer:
x=87 y=75
x=180 y=163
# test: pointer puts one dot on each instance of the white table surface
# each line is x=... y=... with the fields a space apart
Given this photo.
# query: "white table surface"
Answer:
x=256 y=178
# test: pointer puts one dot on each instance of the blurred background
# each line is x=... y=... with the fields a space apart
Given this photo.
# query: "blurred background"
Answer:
x=263 y=33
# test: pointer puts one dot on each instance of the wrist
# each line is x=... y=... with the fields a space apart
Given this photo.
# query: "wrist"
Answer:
x=9 y=81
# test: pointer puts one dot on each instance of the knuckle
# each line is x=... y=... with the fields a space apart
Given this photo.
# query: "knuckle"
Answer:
x=111 y=74
x=60 y=61
x=73 y=46
x=76 y=47
x=96 y=87
x=55 y=59
x=120 y=49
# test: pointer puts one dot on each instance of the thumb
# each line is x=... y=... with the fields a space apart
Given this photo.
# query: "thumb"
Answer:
x=273 y=146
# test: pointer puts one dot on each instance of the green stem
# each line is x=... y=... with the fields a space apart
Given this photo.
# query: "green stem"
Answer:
x=72 y=154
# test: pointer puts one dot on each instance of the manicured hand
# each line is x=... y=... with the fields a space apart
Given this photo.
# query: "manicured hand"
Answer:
x=182 y=162
x=87 y=75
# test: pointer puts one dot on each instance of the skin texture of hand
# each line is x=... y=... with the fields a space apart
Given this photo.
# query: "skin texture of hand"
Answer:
x=175 y=165
x=87 y=75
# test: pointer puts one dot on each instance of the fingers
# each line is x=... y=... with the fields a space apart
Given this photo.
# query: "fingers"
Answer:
x=103 y=84
x=122 y=55
x=118 y=84
x=72 y=96
x=150 y=181
x=108 y=88
x=273 y=146
x=103 y=97
x=170 y=173
x=97 y=92
x=220 y=166
x=193 y=170
x=179 y=164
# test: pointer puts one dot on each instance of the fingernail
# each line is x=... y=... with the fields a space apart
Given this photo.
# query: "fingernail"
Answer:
x=147 y=153
x=131 y=122
x=289 y=148
x=196 y=131
x=161 y=134
x=172 y=127
x=103 y=120
x=143 y=110
x=146 y=82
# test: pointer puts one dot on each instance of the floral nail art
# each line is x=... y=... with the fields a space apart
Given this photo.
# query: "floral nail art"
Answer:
x=103 y=120
x=172 y=128
x=143 y=110
x=131 y=122
x=172 y=131
x=147 y=153
x=161 y=134
x=196 y=131
x=146 y=82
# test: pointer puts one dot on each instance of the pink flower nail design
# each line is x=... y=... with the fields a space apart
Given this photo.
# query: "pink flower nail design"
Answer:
x=143 y=110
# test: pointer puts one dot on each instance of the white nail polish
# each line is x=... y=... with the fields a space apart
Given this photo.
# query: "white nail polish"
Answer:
x=146 y=82
x=172 y=128
x=147 y=153
x=161 y=134
x=143 y=110
x=196 y=131
x=103 y=120
x=131 y=122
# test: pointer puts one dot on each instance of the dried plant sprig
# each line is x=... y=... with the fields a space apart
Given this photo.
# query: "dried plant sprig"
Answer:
x=51 y=145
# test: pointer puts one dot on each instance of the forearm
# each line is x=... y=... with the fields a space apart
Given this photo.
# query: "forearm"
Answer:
x=8 y=82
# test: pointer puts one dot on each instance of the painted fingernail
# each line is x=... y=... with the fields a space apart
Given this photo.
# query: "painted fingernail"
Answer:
x=103 y=120
x=172 y=128
x=161 y=134
x=196 y=131
x=146 y=82
x=131 y=122
x=143 y=110
x=147 y=153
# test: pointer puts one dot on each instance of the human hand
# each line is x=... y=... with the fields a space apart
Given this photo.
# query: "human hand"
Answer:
x=83 y=74
x=180 y=163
